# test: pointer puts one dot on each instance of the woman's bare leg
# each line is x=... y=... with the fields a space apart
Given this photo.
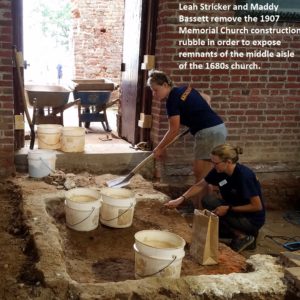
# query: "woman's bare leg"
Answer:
x=201 y=168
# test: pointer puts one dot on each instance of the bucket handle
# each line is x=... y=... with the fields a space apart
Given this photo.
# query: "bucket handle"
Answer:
x=93 y=208
x=124 y=212
x=51 y=170
x=168 y=265
x=43 y=141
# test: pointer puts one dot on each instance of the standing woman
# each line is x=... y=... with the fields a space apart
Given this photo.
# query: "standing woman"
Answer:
x=186 y=106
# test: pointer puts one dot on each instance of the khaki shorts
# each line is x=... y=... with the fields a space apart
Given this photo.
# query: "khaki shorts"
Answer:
x=208 y=138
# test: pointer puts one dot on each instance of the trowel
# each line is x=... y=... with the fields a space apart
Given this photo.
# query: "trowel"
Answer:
x=125 y=180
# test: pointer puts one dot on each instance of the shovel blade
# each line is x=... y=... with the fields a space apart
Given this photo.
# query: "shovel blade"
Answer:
x=121 y=184
x=118 y=182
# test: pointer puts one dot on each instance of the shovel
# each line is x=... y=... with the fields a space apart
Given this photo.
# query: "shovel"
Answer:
x=124 y=180
x=22 y=92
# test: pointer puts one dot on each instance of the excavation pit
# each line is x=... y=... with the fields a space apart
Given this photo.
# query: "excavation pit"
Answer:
x=100 y=263
x=106 y=254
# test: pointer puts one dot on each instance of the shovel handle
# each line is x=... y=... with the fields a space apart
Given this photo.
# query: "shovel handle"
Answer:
x=21 y=86
x=177 y=137
x=22 y=92
x=143 y=162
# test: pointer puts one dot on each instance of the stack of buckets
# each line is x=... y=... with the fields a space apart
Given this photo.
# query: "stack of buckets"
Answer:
x=41 y=162
x=157 y=253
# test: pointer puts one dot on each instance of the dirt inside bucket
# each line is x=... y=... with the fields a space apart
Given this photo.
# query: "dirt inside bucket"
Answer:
x=106 y=254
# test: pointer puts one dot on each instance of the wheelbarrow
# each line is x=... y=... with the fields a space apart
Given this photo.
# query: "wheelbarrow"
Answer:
x=49 y=103
x=94 y=98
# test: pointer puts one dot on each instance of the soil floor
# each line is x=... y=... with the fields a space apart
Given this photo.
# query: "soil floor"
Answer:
x=106 y=254
x=19 y=279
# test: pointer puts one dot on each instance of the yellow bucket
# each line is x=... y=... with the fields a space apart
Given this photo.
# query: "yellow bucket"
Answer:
x=73 y=139
x=49 y=136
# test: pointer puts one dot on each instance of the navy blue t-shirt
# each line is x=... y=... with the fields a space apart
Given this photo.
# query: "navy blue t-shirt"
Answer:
x=238 y=188
x=194 y=111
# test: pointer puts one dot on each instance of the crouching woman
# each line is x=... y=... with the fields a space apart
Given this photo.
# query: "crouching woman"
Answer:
x=239 y=205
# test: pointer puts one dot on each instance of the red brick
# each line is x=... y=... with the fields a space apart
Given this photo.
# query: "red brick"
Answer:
x=254 y=112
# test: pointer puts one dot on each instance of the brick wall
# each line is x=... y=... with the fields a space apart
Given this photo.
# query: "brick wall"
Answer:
x=261 y=108
x=6 y=91
x=98 y=38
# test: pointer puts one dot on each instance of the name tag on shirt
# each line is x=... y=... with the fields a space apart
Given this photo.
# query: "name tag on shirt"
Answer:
x=223 y=182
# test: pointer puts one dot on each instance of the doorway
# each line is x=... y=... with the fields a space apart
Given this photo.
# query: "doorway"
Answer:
x=48 y=49
x=44 y=53
x=56 y=59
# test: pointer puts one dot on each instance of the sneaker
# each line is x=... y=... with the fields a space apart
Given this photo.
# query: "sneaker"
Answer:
x=252 y=246
x=239 y=245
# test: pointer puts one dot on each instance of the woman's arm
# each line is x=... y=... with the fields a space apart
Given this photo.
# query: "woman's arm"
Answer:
x=174 y=126
x=196 y=189
x=254 y=205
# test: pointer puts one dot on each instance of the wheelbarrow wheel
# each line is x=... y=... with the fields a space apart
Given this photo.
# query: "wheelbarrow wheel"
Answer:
x=87 y=124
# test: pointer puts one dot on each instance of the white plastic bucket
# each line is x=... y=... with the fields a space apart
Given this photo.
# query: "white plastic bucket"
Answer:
x=73 y=139
x=41 y=162
x=49 y=136
x=82 y=207
x=158 y=254
x=117 y=207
